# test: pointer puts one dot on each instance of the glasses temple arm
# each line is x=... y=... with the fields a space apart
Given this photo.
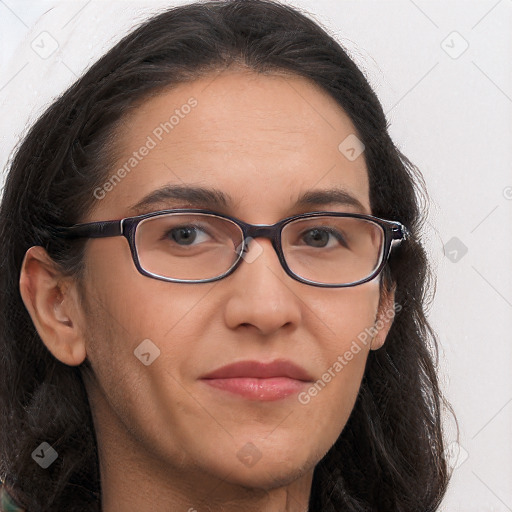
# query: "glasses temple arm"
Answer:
x=92 y=229
x=399 y=234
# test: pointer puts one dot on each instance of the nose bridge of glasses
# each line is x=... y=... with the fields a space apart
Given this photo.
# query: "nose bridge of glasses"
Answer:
x=260 y=231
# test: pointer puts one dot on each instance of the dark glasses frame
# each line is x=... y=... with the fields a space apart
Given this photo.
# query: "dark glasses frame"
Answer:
x=394 y=233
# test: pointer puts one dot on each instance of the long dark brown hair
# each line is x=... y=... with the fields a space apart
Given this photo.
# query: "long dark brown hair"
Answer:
x=389 y=456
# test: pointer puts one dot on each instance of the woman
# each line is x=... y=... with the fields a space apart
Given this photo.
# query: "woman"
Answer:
x=188 y=357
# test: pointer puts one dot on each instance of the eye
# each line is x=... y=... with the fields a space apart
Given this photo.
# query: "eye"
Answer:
x=322 y=235
x=187 y=234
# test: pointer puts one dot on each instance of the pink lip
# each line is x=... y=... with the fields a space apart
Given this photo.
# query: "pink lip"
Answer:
x=259 y=381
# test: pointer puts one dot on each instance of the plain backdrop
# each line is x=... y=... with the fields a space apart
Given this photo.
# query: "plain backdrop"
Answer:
x=442 y=71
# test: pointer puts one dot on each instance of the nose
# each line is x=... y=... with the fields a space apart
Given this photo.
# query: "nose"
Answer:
x=261 y=293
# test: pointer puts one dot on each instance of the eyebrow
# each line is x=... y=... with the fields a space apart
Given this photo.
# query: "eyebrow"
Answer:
x=212 y=198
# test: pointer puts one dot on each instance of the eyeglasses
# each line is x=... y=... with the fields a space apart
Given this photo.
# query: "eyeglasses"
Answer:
x=328 y=249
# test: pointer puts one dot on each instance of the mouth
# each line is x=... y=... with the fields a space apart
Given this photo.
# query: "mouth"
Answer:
x=255 y=380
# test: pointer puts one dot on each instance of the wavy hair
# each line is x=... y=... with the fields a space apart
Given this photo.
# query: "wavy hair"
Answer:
x=389 y=456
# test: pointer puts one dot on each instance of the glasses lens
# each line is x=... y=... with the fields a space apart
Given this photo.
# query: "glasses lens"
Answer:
x=187 y=246
x=333 y=250
x=197 y=246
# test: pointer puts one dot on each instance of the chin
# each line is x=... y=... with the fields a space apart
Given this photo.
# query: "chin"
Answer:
x=268 y=476
x=266 y=469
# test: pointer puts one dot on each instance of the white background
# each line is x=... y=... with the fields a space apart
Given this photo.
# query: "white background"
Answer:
x=450 y=112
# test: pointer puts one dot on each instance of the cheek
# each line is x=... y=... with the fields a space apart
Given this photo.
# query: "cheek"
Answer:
x=344 y=316
x=146 y=399
x=142 y=308
x=141 y=341
x=343 y=336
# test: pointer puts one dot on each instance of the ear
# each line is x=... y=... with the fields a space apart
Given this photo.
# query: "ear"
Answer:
x=384 y=318
x=53 y=304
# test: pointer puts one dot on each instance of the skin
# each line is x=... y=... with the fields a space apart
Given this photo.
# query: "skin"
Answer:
x=166 y=440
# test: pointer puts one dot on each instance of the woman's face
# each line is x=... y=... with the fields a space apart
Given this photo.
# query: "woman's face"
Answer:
x=263 y=141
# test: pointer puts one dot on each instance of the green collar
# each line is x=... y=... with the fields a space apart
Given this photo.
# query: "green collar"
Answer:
x=7 y=503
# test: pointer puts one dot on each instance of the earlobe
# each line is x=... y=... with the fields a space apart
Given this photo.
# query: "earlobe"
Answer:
x=384 y=320
x=52 y=305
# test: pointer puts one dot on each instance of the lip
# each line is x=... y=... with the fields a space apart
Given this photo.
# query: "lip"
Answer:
x=261 y=370
x=256 y=380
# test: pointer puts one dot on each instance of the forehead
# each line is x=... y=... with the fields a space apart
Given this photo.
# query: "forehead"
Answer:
x=264 y=140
